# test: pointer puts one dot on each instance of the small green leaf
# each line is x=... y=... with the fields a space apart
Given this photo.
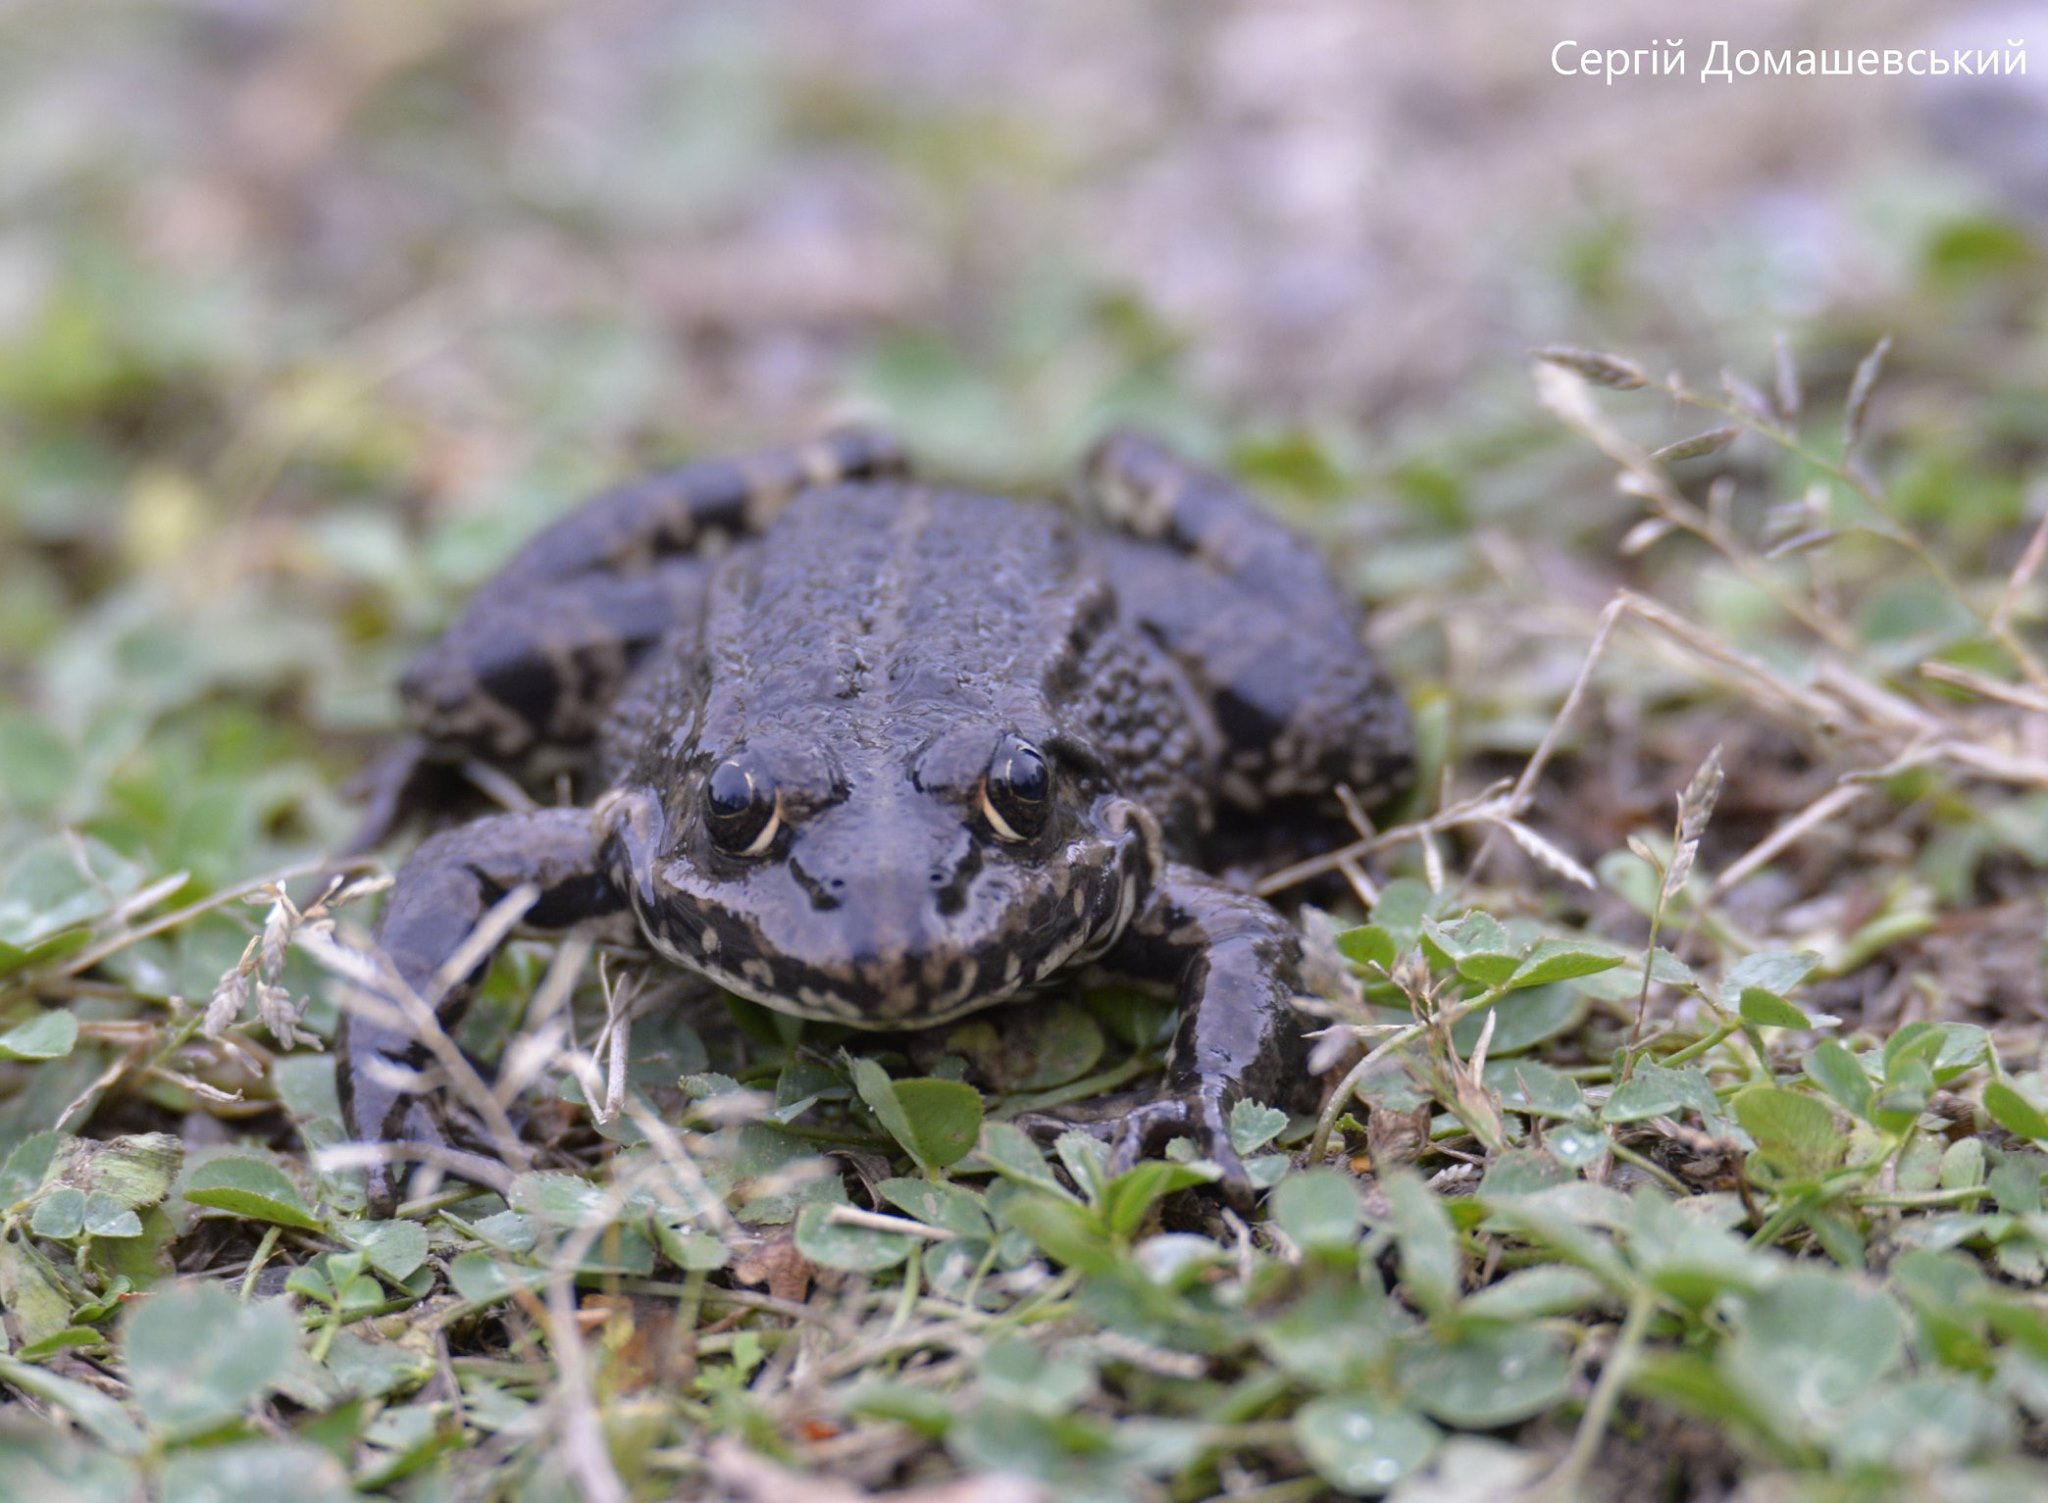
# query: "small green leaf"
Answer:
x=1523 y=1019
x=1814 y=1342
x=1564 y=960
x=1534 y=1294
x=857 y=1249
x=1063 y=1043
x=252 y=1188
x=68 y=1339
x=484 y=1278
x=1964 y=1046
x=1086 y=1158
x=1009 y=1151
x=1475 y=946
x=2013 y=1112
x=1795 y=1133
x=935 y=1121
x=1498 y=1376
x=1368 y=945
x=1835 y=1070
x=1403 y=904
x=1774 y=972
x=59 y=1214
x=1658 y=1091
x=1319 y=1210
x=1064 y=1230
x=136 y=1169
x=1253 y=1126
x=557 y=1198
x=1762 y=1009
x=691 y=1249
x=928 y=1413
x=1962 y=1164
x=944 y=1117
x=27 y=1293
x=395 y=1248
x=1363 y=1446
x=1048 y=1382
x=310 y=1281
x=1686 y=1256
x=1528 y=1085
x=954 y=1207
x=1339 y=1334
x=107 y=1217
x=1127 y=1198
x=1916 y=1043
x=197 y=1356
x=26 y=1166
x=257 y=1469
x=50 y=1035
x=1486 y=969
x=1432 y=1267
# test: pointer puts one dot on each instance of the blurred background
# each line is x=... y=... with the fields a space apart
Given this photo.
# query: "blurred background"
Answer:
x=310 y=312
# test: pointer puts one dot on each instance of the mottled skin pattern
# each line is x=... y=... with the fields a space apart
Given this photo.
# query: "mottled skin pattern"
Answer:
x=883 y=754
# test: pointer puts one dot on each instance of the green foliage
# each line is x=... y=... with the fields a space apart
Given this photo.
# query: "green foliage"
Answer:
x=249 y=1187
x=196 y=1357
x=1701 y=1167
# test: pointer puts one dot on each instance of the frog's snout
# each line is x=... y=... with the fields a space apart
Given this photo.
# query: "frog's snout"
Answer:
x=894 y=872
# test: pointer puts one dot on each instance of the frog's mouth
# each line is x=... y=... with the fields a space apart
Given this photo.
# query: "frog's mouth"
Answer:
x=1048 y=922
x=891 y=947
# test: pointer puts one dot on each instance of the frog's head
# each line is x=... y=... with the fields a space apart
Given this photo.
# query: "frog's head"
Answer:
x=886 y=876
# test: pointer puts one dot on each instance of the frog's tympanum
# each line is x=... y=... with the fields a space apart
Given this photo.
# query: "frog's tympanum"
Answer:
x=876 y=752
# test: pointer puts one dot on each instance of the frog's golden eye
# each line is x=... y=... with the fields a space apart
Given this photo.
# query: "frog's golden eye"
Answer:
x=1016 y=793
x=742 y=810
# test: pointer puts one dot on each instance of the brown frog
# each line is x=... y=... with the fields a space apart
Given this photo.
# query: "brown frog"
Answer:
x=882 y=753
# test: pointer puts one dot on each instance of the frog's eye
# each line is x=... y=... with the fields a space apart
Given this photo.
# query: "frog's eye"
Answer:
x=1016 y=795
x=741 y=808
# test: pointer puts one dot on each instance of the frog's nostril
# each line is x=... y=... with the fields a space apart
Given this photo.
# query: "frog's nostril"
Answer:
x=938 y=876
x=835 y=885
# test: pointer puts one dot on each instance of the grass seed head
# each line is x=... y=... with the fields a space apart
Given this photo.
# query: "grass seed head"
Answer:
x=1596 y=366
x=1695 y=808
x=1868 y=369
x=1713 y=441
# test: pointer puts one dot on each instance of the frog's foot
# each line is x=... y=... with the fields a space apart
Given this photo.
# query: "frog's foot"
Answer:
x=1236 y=964
x=421 y=1124
x=1138 y=1130
x=454 y=1143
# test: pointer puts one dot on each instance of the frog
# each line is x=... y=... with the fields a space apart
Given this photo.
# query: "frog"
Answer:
x=880 y=752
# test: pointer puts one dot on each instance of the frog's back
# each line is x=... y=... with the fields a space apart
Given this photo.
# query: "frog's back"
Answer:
x=868 y=604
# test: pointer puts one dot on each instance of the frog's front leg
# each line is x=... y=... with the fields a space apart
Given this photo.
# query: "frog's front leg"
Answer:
x=1236 y=964
x=390 y=1090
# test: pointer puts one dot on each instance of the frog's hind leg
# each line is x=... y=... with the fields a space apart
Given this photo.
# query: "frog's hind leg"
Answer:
x=534 y=670
x=521 y=683
x=1252 y=615
x=694 y=510
x=523 y=679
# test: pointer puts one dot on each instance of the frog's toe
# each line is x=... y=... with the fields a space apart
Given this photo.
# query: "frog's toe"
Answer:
x=444 y=1138
x=1198 y=1116
x=1136 y=1131
x=1046 y=1127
